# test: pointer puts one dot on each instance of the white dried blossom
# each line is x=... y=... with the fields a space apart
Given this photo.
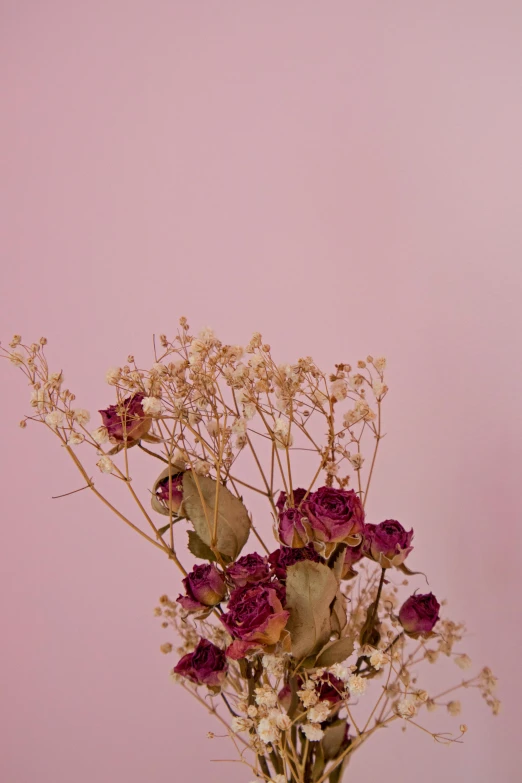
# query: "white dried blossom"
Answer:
x=113 y=375
x=252 y=711
x=40 y=399
x=454 y=708
x=273 y=664
x=212 y=427
x=82 y=416
x=267 y=731
x=312 y=732
x=357 y=684
x=100 y=435
x=152 y=406
x=339 y=389
x=407 y=708
x=201 y=467
x=356 y=460
x=105 y=464
x=278 y=779
x=159 y=368
x=249 y=410
x=463 y=661
x=266 y=696
x=340 y=671
x=239 y=427
x=308 y=697
x=319 y=397
x=378 y=659
x=240 y=724
x=16 y=358
x=380 y=363
x=75 y=438
x=207 y=336
x=17 y=339
x=281 y=719
x=319 y=712
x=379 y=388
x=282 y=436
x=54 y=419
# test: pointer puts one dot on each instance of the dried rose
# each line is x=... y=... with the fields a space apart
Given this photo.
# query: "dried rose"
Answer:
x=255 y=618
x=419 y=614
x=207 y=665
x=126 y=421
x=284 y=557
x=352 y=555
x=334 y=515
x=170 y=492
x=249 y=569
x=292 y=530
x=204 y=587
x=283 y=500
x=388 y=543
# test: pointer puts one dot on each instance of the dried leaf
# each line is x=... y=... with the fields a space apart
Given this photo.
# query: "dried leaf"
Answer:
x=405 y=570
x=339 y=616
x=335 y=652
x=233 y=522
x=310 y=591
x=333 y=739
x=199 y=548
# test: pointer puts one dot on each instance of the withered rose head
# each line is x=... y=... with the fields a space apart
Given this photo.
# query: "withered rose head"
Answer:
x=249 y=569
x=126 y=421
x=283 y=501
x=419 y=614
x=204 y=587
x=388 y=543
x=207 y=665
x=292 y=530
x=255 y=618
x=352 y=555
x=170 y=492
x=285 y=556
x=334 y=515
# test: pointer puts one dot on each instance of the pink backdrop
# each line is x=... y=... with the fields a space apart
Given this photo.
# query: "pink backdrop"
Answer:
x=343 y=176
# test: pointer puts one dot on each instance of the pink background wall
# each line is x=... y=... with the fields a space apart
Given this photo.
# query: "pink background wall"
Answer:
x=345 y=177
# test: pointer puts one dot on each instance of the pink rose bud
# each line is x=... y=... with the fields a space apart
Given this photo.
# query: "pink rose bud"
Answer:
x=204 y=587
x=388 y=543
x=207 y=665
x=249 y=569
x=419 y=614
x=127 y=420
x=255 y=618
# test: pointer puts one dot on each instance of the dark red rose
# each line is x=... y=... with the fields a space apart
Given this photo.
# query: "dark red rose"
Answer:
x=419 y=614
x=204 y=586
x=171 y=496
x=255 y=618
x=126 y=421
x=330 y=689
x=388 y=543
x=284 y=557
x=207 y=665
x=249 y=569
x=334 y=515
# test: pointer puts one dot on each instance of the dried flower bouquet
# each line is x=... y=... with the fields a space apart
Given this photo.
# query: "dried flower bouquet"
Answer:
x=302 y=649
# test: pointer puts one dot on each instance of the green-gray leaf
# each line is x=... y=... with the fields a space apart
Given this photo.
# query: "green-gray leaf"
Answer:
x=199 y=503
x=335 y=652
x=199 y=548
x=310 y=591
x=333 y=739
